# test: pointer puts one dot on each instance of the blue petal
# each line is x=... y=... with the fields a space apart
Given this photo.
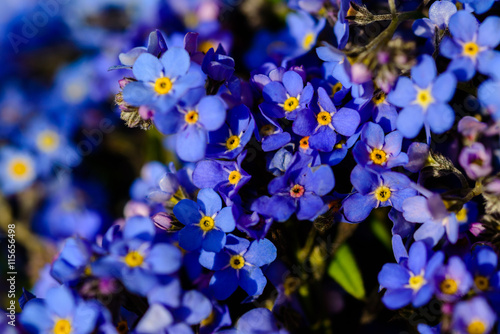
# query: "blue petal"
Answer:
x=138 y=93
x=260 y=252
x=440 y=117
x=236 y=245
x=452 y=228
x=139 y=228
x=403 y=94
x=293 y=83
x=85 y=317
x=190 y=237
x=225 y=220
x=35 y=317
x=169 y=294
x=214 y=261
x=400 y=196
x=488 y=32
x=209 y=201
x=60 y=301
x=393 y=276
x=253 y=281
x=187 y=212
x=463 y=26
x=415 y=210
x=443 y=88
x=286 y=207
x=395 y=299
x=363 y=180
x=346 y=121
x=182 y=85
x=191 y=144
x=156 y=320
x=214 y=241
x=440 y=13
x=168 y=122
x=430 y=233
x=176 y=62
x=212 y=111
x=199 y=306
x=274 y=92
x=224 y=283
x=147 y=68
x=305 y=123
x=373 y=135
x=164 y=259
x=209 y=174
x=323 y=141
x=418 y=257
x=321 y=181
x=410 y=121
x=357 y=207
x=393 y=143
x=398 y=248
x=463 y=68
x=449 y=48
x=424 y=72
x=324 y=101
x=309 y=206
x=423 y=296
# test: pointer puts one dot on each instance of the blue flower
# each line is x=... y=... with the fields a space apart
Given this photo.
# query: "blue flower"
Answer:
x=156 y=46
x=60 y=313
x=473 y=316
x=411 y=279
x=482 y=264
x=424 y=99
x=136 y=260
x=151 y=174
x=226 y=177
x=72 y=260
x=377 y=152
x=321 y=127
x=472 y=44
x=257 y=321
x=17 y=170
x=452 y=281
x=231 y=138
x=161 y=82
x=298 y=190
x=304 y=31
x=206 y=222
x=439 y=17
x=478 y=6
x=269 y=133
x=374 y=191
x=217 y=65
x=238 y=264
x=432 y=212
x=287 y=98
x=193 y=118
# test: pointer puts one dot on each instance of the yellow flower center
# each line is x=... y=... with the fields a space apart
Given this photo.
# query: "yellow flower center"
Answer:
x=234 y=177
x=476 y=327
x=134 y=259
x=424 y=98
x=308 y=41
x=339 y=145
x=462 y=215
x=208 y=320
x=449 y=286
x=237 y=262
x=291 y=104
x=416 y=282
x=122 y=327
x=62 y=326
x=266 y=130
x=336 y=88
x=380 y=98
x=297 y=191
x=205 y=46
x=304 y=143
x=232 y=142
x=324 y=118
x=191 y=117
x=382 y=193
x=482 y=283
x=378 y=156
x=207 y=223
x=19 y=168
x=470 y=49
x=163 y=85
x=47 y=141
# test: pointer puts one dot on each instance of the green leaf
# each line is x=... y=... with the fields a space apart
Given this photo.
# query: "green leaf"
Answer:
x=344 y=270
x=380 y=231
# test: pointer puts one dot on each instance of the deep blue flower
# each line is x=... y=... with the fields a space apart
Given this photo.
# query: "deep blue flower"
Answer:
x=298 y=190
x=424 y=99
x=377 y=152
x=452 y=281
x=217 y=65
x=161 y=82
x=206 y=222
x=374 y=191
x=226 y=177
x=193 y=118
x=411 y=279
x=304 y=31
x=136 y=260
x=472 y=44
x=60 y=313
x=17 y=170
x=231 y=138
x=286 y=98
x=238 y=264
x=473 y=316
x=482 y=264
x=321 y=127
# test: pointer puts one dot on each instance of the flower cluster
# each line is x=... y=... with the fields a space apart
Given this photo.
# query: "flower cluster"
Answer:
x=272 y=171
